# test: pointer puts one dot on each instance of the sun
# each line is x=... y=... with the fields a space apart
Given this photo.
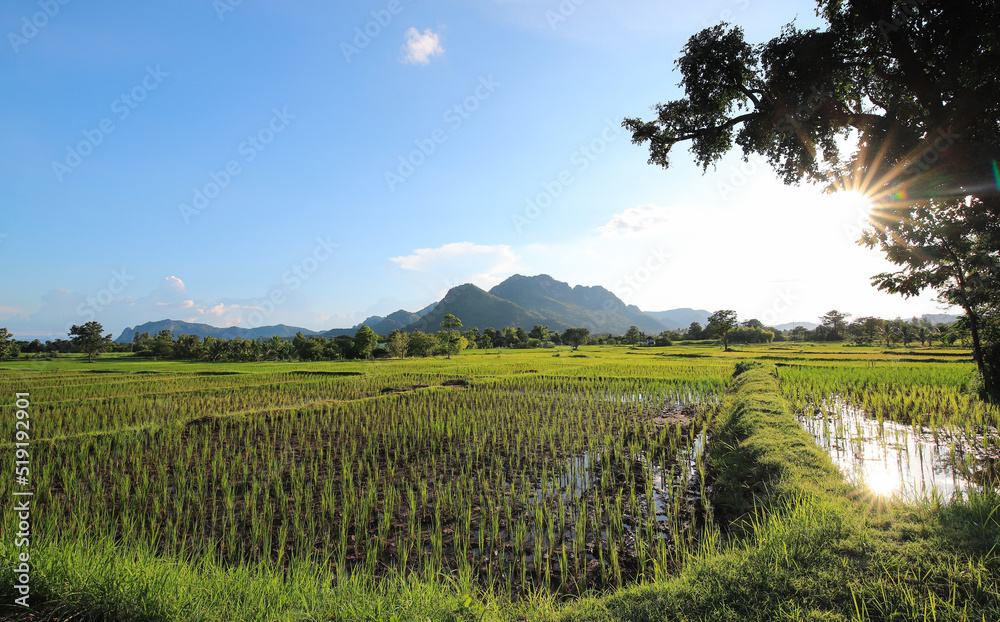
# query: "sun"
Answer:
x=851 y=204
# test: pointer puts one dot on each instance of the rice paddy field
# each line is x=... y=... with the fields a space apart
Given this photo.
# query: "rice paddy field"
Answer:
x=523 y=477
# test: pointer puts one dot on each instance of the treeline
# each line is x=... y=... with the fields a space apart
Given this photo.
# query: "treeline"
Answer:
x=868 y=330
x=833 y=326
x=366 y=344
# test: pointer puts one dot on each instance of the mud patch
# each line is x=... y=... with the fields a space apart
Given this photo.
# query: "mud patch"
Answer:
x=678 y=415
x=389 y=390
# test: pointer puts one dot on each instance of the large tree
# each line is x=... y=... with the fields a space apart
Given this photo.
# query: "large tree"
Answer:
x=834 y=320
x=365 y=341
x=89 y=339
x=918 y=84
x=576 y=336
x=398 y=342
x=915 y=88
x=632 y=335
x=721 y=323
x=450 y=338
x=951 y=246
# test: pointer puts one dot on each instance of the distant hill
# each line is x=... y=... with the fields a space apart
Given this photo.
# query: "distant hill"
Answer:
x=177 y=327
x=939 y=318
x=426 y=309
x=680 y=318
x=381 y=325
x=562 y=306
x=523 y=301
x=476 y=307
x=791 y=325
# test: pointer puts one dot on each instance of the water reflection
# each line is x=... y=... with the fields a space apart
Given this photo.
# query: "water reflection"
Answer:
x=890 y=458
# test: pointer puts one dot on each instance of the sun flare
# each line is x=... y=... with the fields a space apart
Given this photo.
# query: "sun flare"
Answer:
x=851 y=203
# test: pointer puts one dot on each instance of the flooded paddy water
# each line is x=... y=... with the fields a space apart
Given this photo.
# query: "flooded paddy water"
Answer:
x=907 y=461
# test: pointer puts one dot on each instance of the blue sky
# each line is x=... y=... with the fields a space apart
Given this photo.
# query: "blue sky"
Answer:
x=264 y=162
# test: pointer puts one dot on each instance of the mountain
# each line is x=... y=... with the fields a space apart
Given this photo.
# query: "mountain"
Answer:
x=523 y=301
x=791 y=325
x=562 y=306
x=939 y=318
x=476 y=307
x=381 y=325
x=680 y=318
x=178 y=327
x=426 y=309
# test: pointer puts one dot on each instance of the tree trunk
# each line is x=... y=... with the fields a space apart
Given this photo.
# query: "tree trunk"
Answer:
x=977 y=350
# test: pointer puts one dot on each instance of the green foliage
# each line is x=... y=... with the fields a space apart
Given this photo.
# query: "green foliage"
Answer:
x=745 y=366
x=89 y=340
x=450 y=339
x=576 y=337
x=398 y=343
x=745 y=334
x=365 y=341
x=7 y=345
x=721 y=323
x=421 y=344
x=632 y=335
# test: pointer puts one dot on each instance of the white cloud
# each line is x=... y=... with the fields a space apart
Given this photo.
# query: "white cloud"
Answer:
x=419 y=48
x=219 y=309
x=462 y=262
x=173 y=283
x=636 y=220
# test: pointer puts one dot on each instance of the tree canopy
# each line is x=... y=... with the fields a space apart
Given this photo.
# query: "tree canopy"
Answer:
x=8 y=349
x=576 y=336
x=365 y=341
x=450 y=338
x=721 y=323
x=918 y=84
x=89 y=339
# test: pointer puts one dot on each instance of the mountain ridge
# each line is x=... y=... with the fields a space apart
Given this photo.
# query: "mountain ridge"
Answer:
x=180 y=327
x=519 y=301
